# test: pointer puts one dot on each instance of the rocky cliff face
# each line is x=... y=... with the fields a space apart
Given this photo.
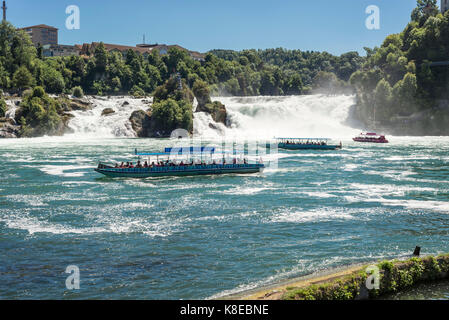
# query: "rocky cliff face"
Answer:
x=145 y=126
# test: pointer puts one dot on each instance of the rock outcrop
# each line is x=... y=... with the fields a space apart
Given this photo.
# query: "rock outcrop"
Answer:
x=142 y=124
x=216 y=109
x=8 y=128
x=107 y=111
x=74 y=104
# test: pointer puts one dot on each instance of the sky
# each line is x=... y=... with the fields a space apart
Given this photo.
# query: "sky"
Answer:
x=335 y=26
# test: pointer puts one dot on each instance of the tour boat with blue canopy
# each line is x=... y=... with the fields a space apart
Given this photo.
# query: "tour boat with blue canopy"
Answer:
x=182 y=161
x=307 y=144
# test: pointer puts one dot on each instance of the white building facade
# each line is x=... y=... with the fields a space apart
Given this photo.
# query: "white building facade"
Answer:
x=444 y=5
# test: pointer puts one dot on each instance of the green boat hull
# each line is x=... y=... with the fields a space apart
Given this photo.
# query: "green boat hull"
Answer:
x=179 y=170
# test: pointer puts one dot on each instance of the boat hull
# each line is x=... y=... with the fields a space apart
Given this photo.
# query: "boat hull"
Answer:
x=369 y=140
x=179 y=170
x=307 y=147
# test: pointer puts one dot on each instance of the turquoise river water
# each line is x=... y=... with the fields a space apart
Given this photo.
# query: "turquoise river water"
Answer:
x=208 y=236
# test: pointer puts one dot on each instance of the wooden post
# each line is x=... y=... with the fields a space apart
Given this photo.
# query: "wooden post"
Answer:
x=417 y=251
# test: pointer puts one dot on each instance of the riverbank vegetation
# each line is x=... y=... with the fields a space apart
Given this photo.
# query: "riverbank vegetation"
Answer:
x=400 y=86
x=249 y=72
x=395 y=276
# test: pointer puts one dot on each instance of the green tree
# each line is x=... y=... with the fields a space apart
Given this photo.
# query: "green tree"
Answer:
x=3 y=107
x=78 y=92
x=52 y=80
x=22 y=78
x=171 y=114
x=382 y=98
x=101 y=57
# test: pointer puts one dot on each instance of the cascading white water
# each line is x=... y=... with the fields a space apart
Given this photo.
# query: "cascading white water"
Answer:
x=93 y=123
x=291 y=116
x=248 y=117
x=12 y=107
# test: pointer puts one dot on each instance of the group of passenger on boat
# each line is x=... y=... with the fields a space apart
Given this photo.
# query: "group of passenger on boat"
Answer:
x=173 y=164
x=301 y=142
x=169 y=163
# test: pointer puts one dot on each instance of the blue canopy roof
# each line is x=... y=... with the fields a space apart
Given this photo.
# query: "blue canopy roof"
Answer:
x=186 y=151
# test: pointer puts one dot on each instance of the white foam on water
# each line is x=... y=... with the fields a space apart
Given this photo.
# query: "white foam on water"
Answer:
x=438 y=206
x=369 y=190
x=31 y=200
x=104 y=224
x=318 y=194
x=318 y=215
x=245 y=190
x=62 y=170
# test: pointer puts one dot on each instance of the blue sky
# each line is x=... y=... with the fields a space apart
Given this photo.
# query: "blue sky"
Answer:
x=335 y=26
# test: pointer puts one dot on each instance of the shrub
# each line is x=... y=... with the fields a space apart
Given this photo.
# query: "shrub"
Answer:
x=3 y=107
x=37 y=114
x=77 y=92
x=137 y=92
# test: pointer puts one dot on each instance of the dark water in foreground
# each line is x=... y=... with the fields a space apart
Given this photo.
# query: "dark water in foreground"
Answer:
x=200 y=237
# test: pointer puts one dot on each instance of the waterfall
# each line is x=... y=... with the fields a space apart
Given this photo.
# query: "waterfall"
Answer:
x=12 y=107
x=289 y=116
x=248 y=117
x=117 y=124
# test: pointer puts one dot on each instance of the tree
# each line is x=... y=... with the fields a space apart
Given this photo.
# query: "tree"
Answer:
x=78 y=92
x=40 y=51
x=382 y=98
x=170 y=115
x=325 y=80
x=3 y=107
x=101 y=57
x=201 y=91
x=52 y=80
x=22 y=78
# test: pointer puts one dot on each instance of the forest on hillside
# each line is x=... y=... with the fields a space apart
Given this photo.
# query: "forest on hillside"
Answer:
x=403 y=85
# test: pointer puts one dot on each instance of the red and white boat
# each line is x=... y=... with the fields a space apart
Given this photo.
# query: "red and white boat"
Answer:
x=370 y=137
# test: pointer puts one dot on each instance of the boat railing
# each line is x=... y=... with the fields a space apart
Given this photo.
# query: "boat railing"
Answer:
x=182 y=168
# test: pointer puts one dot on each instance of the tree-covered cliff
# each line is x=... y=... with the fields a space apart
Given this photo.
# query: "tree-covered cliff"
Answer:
x=403 y=86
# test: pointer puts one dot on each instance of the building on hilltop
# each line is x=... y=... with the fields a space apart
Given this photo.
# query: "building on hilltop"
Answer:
x=444 y=6
x=42 y=34
x=60 y=50
x=144 y=49
x=47 y=37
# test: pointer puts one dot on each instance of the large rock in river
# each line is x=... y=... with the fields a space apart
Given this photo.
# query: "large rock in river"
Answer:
x=216 y=109
x=145 y=126
x=107 y=111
